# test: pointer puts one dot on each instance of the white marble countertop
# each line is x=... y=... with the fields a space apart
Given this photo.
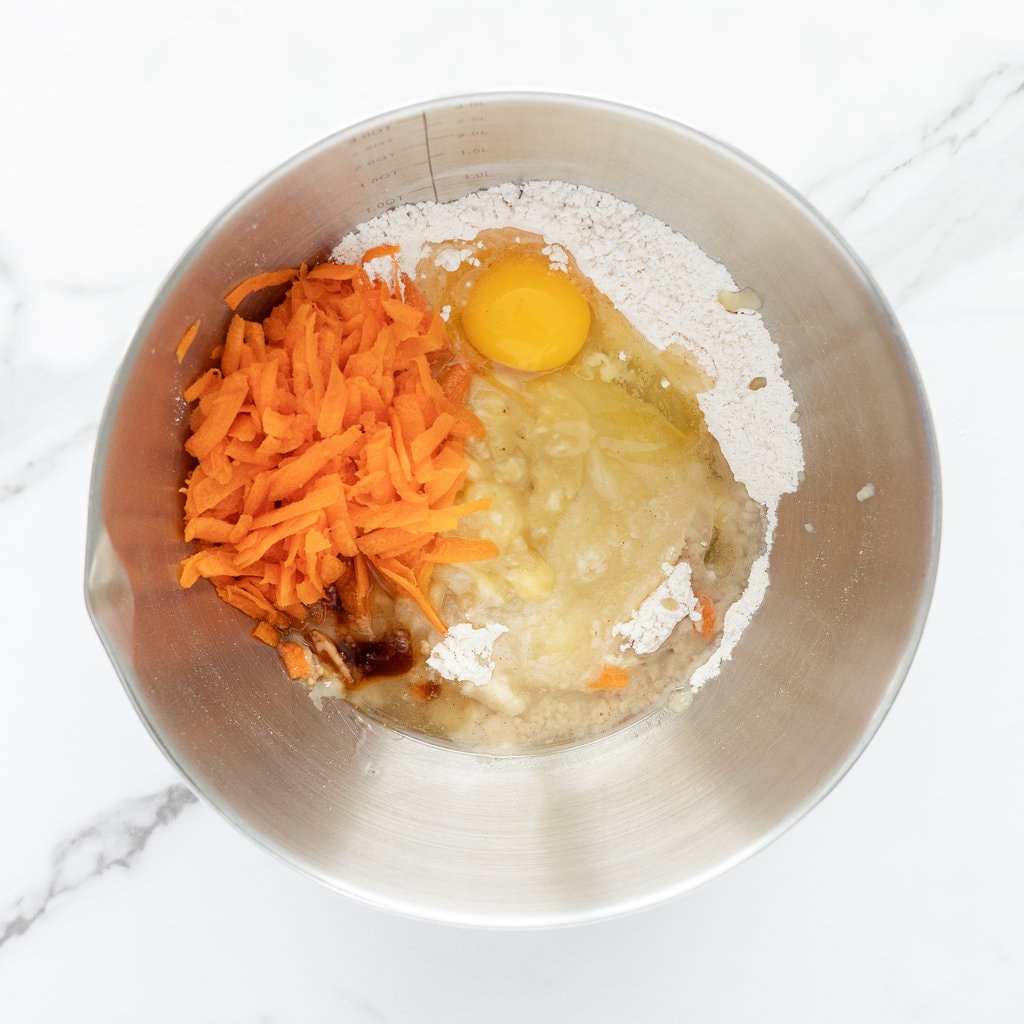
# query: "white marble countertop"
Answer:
x=123 y=898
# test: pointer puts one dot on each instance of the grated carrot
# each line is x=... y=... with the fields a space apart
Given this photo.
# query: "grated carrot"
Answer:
x=265 y=631
x=256 y=283
x=612 y=677
x=296 y=661
x=708 y=617
x=186 y=340
x=328 y=441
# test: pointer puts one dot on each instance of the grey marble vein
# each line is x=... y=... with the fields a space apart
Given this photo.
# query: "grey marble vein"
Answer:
x=42 y=462
x=60 y=343
x=943 y=195
x=361 y=1009
x=117 y=839
x=950 y=132
x=48 y=412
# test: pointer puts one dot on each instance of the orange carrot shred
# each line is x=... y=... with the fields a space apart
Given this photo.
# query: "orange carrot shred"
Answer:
x=265 y=631
x=256 y=283
x=377 y=251
x=708 y=617
x=461 y=549
x=612 y=677
x=334 y=271
x=296 y=661
x=186 y=341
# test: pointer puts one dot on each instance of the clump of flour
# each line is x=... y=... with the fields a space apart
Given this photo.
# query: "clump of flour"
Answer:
x=668 y=289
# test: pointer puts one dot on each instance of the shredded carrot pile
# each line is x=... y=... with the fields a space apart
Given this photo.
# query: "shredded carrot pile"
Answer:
x=329 y=449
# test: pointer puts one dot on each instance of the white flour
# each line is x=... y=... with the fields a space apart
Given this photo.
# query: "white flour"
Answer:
x=666 y=606
x=668 y=288
x=465 y=653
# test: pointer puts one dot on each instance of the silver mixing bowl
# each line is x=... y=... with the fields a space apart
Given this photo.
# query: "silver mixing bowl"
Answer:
x=615 y=824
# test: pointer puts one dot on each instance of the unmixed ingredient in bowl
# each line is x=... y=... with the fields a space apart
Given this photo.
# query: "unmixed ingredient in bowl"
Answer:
x=329 y=443
x=591 y=532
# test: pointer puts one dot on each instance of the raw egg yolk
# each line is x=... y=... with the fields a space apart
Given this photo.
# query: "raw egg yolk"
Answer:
x=523 y=314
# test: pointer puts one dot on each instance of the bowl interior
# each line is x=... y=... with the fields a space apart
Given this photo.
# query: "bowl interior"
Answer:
x=656 y=808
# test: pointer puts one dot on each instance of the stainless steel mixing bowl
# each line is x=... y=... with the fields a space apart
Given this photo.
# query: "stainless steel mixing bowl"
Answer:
x=661 y=806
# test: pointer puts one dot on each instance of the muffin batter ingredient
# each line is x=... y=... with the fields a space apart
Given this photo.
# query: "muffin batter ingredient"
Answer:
x=524 y=313
x=329 y=443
